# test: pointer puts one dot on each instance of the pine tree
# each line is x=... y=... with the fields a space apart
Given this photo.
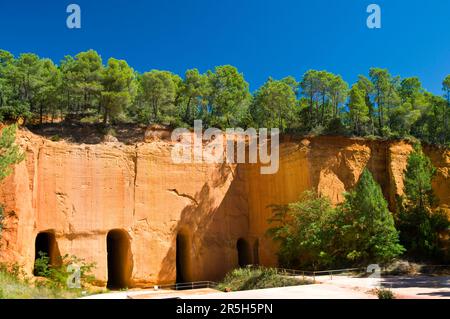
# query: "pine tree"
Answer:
x=367 y=227
x=420 y=220
x=118 y=87
x=359 y=112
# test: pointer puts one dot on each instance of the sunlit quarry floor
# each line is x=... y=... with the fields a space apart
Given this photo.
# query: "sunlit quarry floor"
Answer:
x=326 y=287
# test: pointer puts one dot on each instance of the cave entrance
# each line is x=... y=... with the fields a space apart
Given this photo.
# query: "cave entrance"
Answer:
x=46 y=244
x=120 y=261
x=183 y=258
x=243 y=250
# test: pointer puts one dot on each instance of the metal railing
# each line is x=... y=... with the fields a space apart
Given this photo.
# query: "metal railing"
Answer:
x=358 y=270
x=186 y=285
x=314 y=273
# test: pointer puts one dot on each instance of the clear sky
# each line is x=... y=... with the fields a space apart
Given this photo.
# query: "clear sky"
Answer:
x=261 y=38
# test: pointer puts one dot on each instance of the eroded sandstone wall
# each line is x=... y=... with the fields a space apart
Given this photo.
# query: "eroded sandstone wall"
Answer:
x=81 y=192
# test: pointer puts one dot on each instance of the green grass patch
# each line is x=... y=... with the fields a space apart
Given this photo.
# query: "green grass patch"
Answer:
x=51 y=282
x=13 y=287
x=258 y=278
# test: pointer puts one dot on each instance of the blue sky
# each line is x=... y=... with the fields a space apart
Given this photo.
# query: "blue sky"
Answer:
x=261 y=38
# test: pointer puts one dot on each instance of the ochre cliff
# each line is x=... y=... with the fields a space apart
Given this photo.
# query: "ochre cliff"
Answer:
x=331 y=166
x=80 y=193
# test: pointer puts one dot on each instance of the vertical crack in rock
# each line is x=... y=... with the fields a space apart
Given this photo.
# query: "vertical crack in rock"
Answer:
x=192 y=199
x=135 y=161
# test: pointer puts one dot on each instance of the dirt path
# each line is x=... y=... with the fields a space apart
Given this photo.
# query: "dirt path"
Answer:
x=418 y=287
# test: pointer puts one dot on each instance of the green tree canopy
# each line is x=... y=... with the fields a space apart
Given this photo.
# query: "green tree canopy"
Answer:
x=324 y=92
x=274 y=105
x=87 y=72
x=229 y=96
x=195 y=91
x=305 y=231
x=159 y=90
x=118 y=89
x=38 y=91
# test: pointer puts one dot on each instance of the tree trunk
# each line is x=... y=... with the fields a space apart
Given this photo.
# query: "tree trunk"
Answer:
x=279 y=120
x=188 y=110
x=155 y=109
x=445 y=117
x=323 y=108
x=105 y=116
x=85 y=101
x=41 y=111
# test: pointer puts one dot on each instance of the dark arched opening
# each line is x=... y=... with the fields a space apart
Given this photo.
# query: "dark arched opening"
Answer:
x=183 y=258
x=243 y=250
x=120 y=260
x=46 y=244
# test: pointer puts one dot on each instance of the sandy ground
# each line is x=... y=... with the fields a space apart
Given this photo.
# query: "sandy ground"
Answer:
x=152 y=294
x=419 y=287
x=326 y=287
x=317 y=291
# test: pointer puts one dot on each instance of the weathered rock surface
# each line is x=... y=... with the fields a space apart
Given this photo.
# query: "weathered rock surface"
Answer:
x=81 y=192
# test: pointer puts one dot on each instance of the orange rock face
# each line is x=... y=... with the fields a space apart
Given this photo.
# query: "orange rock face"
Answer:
x=166 y=216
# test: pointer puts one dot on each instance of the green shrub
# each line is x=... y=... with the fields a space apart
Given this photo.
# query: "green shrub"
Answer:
x=305 y=231
x=14 y=270
x=317 y=130
x=57 y=275
x=14 y=112
x=257 y=278
x=55 y=138
x=336 y=127
x=313 y=233
x=403 y=267
x=10 y=153
x=14 y=287
x=91 y=119
x=41 y=265
x=385 y=294
x=106 y=130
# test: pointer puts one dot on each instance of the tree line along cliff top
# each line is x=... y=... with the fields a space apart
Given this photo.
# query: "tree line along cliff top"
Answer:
x=83 y=91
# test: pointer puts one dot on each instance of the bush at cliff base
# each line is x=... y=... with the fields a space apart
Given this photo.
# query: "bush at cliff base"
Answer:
x=257 y=278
